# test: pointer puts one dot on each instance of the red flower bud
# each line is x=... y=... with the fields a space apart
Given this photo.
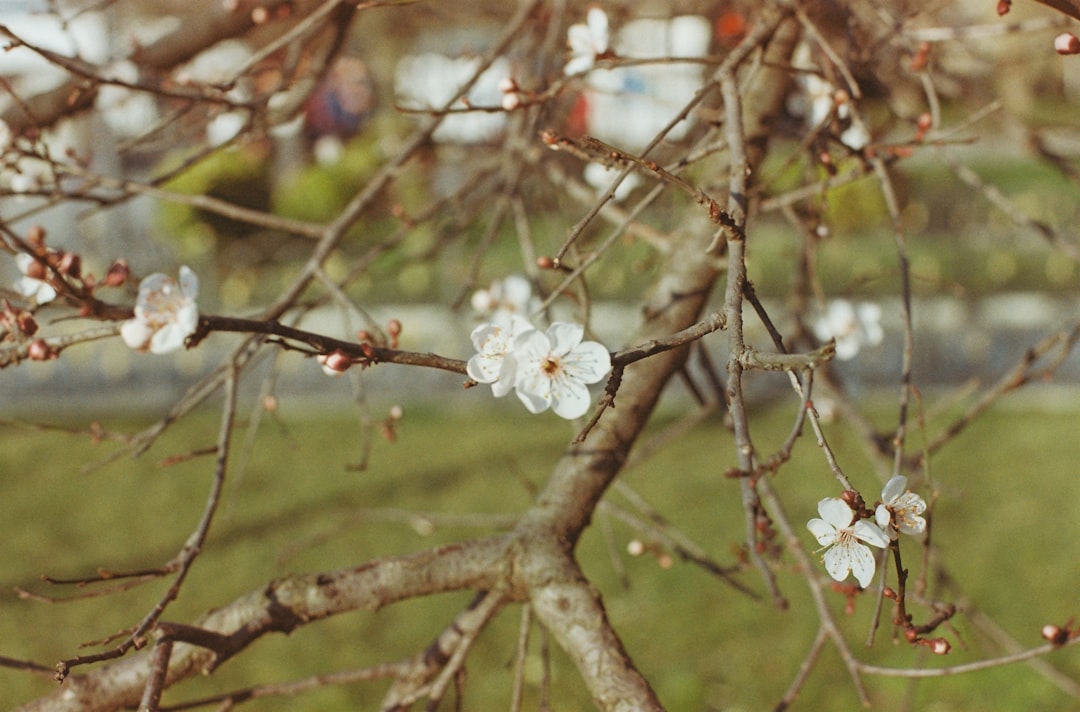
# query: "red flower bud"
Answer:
x=1067 y=43
x=1055 y=634
x=336 y=361
x=26 y=324
x=39 y=350
x=70 y=264
x=36 y=236
x=118 y=274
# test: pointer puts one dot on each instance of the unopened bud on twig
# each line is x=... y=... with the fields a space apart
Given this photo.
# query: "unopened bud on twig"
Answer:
x=39 y=350
x=1055 y=634
x=1067 y=43
x=118 y=274
x=335 y=362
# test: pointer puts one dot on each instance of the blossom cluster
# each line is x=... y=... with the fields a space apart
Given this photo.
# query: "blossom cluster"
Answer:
x=547 y=369
x=845 y=537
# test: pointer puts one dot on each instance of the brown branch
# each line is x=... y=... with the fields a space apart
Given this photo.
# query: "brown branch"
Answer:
x=282 y=606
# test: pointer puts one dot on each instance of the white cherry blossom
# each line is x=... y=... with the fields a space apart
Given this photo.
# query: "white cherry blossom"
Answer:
x=510 y=296
x=587 y=41
x=900 y=509
x=852 y=325
x=165 y=313
x=553 y=368
x=494 y=361
x=846 y=554
x=31 y=287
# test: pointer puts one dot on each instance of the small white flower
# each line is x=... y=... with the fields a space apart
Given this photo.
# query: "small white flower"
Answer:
x=600 y=177
x=225 y=127
x=816 y=103
x=853 y=326
x=900 y=509
x=494 y=361
x=165 y=313
x=510 y=296
x=553 y=368
x=846 y=554
x=127 y=113
x=31 y=287
x=855 y=137
x=587 y=41
x=821 y=95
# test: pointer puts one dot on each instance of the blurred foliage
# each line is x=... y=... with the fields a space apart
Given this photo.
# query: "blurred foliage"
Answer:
x=958 y=243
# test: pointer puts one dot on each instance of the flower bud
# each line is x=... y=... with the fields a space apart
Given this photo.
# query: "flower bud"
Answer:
x=36 y=236
x=118 y=274
x=1055 y=634
x=511 y=101
x=939 y=646
x=1067 y=43
x=335 y=362
x=39 y=350
x=26 y=324
x=70 y=264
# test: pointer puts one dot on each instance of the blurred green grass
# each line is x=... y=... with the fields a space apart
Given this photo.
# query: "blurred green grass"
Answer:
x=297 y=507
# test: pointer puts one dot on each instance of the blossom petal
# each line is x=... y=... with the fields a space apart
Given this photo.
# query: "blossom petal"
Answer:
x=505 y=382
x=564 y=337
x=597 y=22
x=850 y=556
x=589 y=362
x=895 y=487
x=168 y=338
x=579 y=64
x=516 y=291
x=825 y=533
x=532 y=345
x=484 y=369
x=535 y=400
x=869 y=532
x=580 y=41
x=836 y=512
x=189 y=282
x=883 y=516
x=569 y=398
x=136 y=334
